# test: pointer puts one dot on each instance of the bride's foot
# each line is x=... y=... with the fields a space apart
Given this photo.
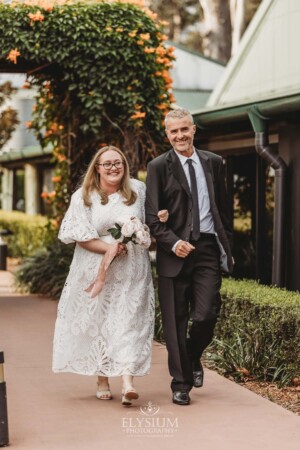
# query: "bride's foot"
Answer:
x=103 y=390
x=128 y=394
x=103 y=393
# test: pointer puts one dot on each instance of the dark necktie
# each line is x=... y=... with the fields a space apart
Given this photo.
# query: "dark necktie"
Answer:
x=196 y=219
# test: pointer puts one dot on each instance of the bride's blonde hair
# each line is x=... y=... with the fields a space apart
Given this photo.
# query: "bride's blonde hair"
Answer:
x=92 y=180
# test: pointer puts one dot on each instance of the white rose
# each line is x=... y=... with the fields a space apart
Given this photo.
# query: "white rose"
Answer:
x=128 y=229
x=143 y=238
x=138 y=226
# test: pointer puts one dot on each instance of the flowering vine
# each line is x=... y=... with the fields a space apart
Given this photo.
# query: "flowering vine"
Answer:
x=101 y=71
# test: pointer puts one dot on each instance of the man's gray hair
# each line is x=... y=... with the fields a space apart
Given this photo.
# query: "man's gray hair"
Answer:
x=178 y=113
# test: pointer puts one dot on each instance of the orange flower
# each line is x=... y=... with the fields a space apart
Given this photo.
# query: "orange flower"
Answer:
x=119 y=29
x=172 y=98
x=56 y=179
x=55 y=223
x=170 y=49
x=145 y=36
x=166 y=77
x=44 y=194
x=160 y=60
x=149 y=50
x=164 y=23
x=26 y=85
x=13 y=54
x=108 y=29
x=34 y=107
x=61 y=158
x=48 y=8
x=158 y=74
x=161 y=51
x=37 y=17
x=52 y=194
x=132 y=33
x=167 y=62
x=28 y=124
x=150 y=13
x=162 y=106
x=140 y=42
x=138 y=115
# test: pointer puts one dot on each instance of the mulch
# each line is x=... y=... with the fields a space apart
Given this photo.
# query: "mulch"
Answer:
x=288 y=396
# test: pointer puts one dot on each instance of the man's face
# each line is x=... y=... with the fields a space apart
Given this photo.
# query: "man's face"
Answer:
x=180 y=133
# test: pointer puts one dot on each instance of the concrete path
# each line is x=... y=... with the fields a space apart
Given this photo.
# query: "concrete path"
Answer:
x=60 y=411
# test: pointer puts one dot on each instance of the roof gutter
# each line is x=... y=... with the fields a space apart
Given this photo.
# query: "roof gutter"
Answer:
x=26 y=152
x=267 y=109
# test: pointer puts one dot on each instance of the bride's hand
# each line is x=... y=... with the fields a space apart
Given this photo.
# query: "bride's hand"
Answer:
x=163 y=215
x=121 y=248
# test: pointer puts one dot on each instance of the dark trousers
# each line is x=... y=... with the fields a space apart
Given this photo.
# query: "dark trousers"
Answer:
x=191 y=296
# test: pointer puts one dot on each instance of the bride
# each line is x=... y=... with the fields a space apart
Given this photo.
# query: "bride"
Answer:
x=109 y=334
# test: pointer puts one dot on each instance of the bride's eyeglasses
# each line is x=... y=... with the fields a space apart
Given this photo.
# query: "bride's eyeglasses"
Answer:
x=108 y=165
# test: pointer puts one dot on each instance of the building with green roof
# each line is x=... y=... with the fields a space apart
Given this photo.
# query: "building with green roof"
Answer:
x=252 y=119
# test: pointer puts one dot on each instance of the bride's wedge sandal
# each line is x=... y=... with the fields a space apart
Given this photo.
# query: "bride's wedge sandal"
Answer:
x=103 y=394
x=128 y=395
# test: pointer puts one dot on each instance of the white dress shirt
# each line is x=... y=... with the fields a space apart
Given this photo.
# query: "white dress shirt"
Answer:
x=206 y=219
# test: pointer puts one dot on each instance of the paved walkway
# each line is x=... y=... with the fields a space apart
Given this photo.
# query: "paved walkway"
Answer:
x=60 y=412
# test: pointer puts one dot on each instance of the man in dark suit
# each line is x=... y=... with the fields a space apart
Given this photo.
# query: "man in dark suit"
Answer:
x=192 y=247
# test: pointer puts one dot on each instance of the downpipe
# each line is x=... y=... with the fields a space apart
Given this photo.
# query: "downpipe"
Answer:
x=266 y=152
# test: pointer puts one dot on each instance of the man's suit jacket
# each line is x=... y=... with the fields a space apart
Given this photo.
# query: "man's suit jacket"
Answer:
x=167 y=188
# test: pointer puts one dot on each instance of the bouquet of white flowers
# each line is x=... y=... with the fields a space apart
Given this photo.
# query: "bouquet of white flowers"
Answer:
x=131 y=230
x=128 y=230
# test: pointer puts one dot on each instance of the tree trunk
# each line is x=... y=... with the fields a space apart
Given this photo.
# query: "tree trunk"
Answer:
x=238 y=15
x=217 y=29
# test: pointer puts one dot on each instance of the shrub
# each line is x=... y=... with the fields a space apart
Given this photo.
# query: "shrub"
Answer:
x=258 y=332
x=45 y=272
x=29 y=232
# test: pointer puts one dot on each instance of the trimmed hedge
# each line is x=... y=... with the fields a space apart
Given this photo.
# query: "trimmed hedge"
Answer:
x=29 y=232
x=270 y=317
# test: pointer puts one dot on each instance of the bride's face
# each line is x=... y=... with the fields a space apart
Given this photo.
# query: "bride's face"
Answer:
x=110 y=167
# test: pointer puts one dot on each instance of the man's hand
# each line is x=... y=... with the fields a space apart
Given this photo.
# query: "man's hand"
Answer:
x=183 y=249
x=163 y=215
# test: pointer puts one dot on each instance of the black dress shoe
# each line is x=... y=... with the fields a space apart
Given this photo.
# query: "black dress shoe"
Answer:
x=181 y=398
x=198 y=375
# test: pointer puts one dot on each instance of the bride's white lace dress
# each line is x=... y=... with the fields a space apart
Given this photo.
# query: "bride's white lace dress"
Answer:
x=112 y=333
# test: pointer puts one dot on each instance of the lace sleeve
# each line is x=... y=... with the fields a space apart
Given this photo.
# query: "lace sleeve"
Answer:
x=76 y=226
x=140 y=189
